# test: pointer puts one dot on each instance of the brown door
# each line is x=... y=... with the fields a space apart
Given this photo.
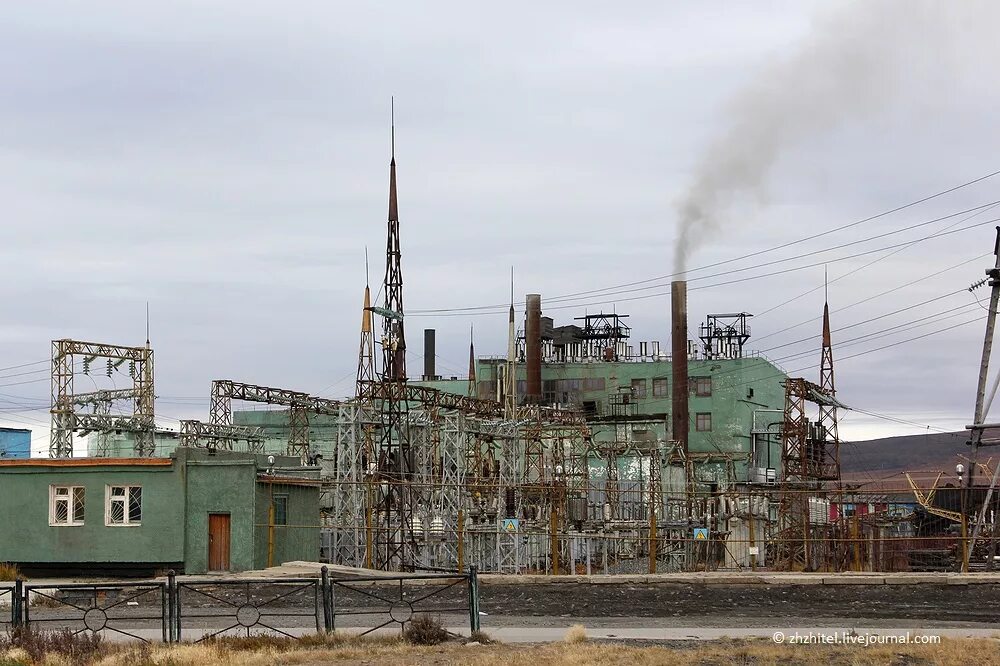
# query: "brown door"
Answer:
x=218 y=542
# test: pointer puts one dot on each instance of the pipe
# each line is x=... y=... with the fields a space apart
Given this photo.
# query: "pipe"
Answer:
x=429 y=354
x=533 y=348
x=679 y=363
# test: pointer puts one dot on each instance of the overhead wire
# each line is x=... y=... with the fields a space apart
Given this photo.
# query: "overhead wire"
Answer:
x=749 y=255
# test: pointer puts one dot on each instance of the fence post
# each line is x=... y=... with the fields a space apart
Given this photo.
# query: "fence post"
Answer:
x=16 y=603
x=25 y=601
x=473 y=598
x=173 y=607
x=327 y=599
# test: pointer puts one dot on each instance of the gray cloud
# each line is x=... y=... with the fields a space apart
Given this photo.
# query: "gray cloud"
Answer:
x=228 y=163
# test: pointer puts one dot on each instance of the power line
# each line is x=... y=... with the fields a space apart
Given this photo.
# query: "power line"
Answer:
x=881 y=294
x=735 y=259
x=811 y=338
x=865 y=266
x=867 y=338
x=452 y=313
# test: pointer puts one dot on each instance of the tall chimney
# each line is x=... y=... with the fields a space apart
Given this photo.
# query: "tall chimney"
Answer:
x=533 y=348
x=429 y=354
x=680 y=418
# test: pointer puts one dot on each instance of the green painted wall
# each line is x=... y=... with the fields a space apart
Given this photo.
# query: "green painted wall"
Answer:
x=738 y=388
x=220 y=487
x=176 y=501
x=24 y=504
x=299 y=538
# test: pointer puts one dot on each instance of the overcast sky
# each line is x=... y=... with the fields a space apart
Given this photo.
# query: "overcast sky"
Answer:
x=227 y=162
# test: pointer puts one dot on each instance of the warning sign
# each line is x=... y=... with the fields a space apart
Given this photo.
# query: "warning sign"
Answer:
x=701 y=534
x=510 y=524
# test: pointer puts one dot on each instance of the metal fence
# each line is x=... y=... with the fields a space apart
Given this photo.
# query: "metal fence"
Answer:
x=200 y=609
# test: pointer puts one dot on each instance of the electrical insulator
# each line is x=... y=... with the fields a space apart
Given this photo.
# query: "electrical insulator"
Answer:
x=86 y=366
x=110 y=367
x=131 y=369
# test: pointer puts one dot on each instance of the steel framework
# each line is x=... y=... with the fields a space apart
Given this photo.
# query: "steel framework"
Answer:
x=66 y=419
x=299 y=404
x=223 y=436
x=808 y=461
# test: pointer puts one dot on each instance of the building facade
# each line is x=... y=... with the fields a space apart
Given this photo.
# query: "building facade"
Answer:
x=15 y=443
x=729 y=398
x=195 y=511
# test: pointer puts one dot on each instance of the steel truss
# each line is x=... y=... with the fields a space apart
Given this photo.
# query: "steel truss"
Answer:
x=66 y=419
x=299 y=404
x=221 y=436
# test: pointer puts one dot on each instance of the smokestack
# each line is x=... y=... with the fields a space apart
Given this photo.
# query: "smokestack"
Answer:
x=533 y=348
x=679 y=363
x=429 y=354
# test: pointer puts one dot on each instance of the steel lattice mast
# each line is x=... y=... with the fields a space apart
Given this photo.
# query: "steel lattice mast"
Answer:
x=828 y=412
x=394 y=543
x=473 y=387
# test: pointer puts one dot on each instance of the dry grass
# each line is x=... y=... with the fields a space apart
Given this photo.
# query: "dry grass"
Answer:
x=9 y=571
x=350 y=650
x=576 y=634
x=425 y=630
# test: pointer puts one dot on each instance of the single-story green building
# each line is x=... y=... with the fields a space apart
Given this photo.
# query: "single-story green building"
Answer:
x=197 y=511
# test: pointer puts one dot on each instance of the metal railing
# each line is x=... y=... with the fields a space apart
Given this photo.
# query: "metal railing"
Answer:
x=117 y=607
x=205 y=608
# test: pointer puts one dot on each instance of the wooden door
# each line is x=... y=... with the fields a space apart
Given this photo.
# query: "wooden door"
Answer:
x=218 y=542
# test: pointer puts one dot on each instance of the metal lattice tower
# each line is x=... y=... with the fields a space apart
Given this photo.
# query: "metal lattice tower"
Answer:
x=366 y=351
x=395 y=544
x=828 y=412
x=509 y=383
x=66 y=419
x=473 y=388
x=807 y=461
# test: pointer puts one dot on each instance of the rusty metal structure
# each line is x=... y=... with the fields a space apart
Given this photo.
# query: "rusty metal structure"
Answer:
x=300 y=406
x=723 y=335
x=68 y=419
x=395 y=544
x=809 y=461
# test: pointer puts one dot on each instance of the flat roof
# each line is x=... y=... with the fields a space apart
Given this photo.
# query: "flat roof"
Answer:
x=85 y=462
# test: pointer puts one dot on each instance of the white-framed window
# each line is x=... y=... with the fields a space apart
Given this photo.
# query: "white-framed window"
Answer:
x=123 y=506
x=66 y=505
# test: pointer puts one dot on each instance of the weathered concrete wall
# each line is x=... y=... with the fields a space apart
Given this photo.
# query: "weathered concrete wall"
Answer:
x=220 y=486
x=299 y=538
x=28 y=537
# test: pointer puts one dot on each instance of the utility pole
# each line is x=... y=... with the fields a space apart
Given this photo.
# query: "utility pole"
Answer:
x=993 y=274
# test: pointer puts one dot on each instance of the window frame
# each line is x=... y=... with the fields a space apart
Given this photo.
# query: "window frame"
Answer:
x=641 y=383
x=126 y=499
x=699 y=418
x=699 y=382
x=274 y=503
x=665 y=383
x=71 y=505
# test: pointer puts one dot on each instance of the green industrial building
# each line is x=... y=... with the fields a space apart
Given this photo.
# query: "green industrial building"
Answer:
x=196 y=511
x=735 y=398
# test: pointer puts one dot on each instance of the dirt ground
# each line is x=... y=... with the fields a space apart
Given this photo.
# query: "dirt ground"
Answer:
x=927 y=602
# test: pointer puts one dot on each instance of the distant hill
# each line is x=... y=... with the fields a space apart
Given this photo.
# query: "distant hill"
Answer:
x=908 y=452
